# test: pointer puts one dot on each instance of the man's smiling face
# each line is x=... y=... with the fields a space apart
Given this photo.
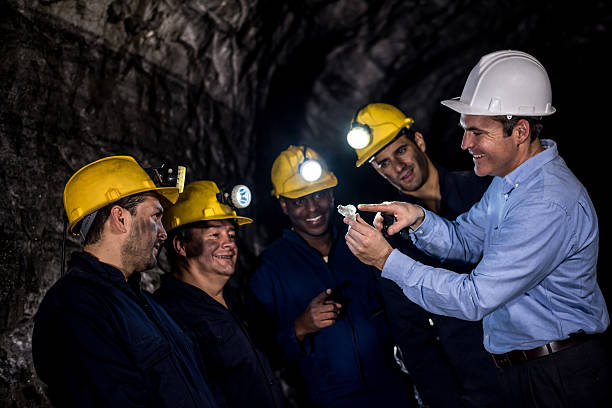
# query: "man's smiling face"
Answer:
x=311 y=213
x=213 y=244
x=493 y=153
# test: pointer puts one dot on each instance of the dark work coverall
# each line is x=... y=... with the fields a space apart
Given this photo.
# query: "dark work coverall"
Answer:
x=100 y=341
x=235 y=365
x=446 y=360
x=350 y=363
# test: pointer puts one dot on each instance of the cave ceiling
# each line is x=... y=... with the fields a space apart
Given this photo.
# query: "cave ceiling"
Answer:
x=223 y=86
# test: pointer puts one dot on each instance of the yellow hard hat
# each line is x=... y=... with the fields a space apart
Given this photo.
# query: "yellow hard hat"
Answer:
x=289 y=173
x=106 y=181
x=374 y=127
x=199 y=202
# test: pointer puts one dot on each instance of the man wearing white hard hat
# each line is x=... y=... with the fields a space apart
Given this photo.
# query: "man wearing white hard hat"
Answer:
x=534 y=236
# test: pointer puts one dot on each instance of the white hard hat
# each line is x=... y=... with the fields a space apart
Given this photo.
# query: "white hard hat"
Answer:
x=505 y=83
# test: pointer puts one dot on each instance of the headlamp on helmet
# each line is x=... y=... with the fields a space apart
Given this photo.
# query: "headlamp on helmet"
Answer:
x=359 y=136
x=373 y=127
x=239 y=197
x=310 y=169
x=203 y=200
x=168 y=176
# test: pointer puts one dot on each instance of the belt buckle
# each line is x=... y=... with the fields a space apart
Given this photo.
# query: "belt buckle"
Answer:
x=501 y=360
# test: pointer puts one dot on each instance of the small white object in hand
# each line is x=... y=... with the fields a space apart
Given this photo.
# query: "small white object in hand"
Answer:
x=348 y=211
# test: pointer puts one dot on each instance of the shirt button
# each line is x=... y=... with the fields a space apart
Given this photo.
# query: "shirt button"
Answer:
x=419 y=232
x=431 y=323
x=505 y=195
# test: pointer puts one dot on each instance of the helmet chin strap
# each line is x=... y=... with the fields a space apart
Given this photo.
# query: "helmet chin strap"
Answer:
x=64 y=246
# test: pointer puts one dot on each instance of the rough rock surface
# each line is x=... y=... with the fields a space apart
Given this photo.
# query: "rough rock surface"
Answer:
x=223 y=86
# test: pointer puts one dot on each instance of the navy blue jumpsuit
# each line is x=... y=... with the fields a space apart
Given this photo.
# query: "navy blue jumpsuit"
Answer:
x=100 y=341
x=351 y=362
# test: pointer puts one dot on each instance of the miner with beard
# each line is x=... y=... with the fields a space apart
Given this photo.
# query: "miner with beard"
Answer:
x=444 y=355
x=323 y=303
x=98 y=339
x=202 y=252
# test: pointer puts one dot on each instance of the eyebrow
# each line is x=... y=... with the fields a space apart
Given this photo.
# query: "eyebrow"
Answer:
x=400 y=146
x=232 y=228
x=470 y=129
x=378 y=163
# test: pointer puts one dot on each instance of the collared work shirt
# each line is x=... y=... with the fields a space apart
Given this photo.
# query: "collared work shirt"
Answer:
x=535 y=238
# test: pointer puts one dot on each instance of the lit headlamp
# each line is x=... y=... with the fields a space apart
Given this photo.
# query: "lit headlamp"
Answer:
x=240 y=197
x=168 y=176
x=310 y=169
x=359 y=136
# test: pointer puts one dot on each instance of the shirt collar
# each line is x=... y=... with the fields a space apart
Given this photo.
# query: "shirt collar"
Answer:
x=522 y=172
x=294 y=237
x=177 y=286
x=102 y=270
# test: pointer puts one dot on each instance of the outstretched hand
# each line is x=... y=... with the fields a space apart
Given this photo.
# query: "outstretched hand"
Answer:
x=319 y=314
x=405 y=214
x=367 y=243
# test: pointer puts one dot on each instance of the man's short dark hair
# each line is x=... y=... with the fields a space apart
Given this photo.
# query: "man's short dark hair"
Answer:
x=535 y=125
x=129 y=203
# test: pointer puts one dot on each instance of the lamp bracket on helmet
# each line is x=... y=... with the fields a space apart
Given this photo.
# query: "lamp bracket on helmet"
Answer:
x=168 y=176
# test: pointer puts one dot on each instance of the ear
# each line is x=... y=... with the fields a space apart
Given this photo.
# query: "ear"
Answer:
x=419 y=140
x=119 y=219
x=521 y=129
x=283 y=205
x=179 y=246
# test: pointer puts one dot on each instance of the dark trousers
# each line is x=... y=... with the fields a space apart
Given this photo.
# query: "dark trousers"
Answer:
x=575 y=377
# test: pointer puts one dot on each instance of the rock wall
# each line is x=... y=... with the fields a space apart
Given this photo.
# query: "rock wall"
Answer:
x=223 y=86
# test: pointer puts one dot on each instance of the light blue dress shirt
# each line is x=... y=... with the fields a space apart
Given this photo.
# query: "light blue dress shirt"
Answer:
x=535 y=239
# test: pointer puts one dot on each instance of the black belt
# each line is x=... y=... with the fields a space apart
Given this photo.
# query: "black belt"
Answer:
x=520 y=356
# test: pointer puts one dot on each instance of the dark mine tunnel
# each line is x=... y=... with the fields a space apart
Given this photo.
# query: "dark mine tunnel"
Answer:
x=223 y=86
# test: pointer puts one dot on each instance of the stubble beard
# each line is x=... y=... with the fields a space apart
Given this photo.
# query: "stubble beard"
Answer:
x=138 y=253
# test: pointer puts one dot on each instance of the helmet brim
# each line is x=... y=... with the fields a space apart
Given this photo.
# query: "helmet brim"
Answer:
x=171 y=194
x=465 y=109
x=327 y=182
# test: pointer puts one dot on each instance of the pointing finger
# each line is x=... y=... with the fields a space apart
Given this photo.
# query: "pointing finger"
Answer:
x=384 y=207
